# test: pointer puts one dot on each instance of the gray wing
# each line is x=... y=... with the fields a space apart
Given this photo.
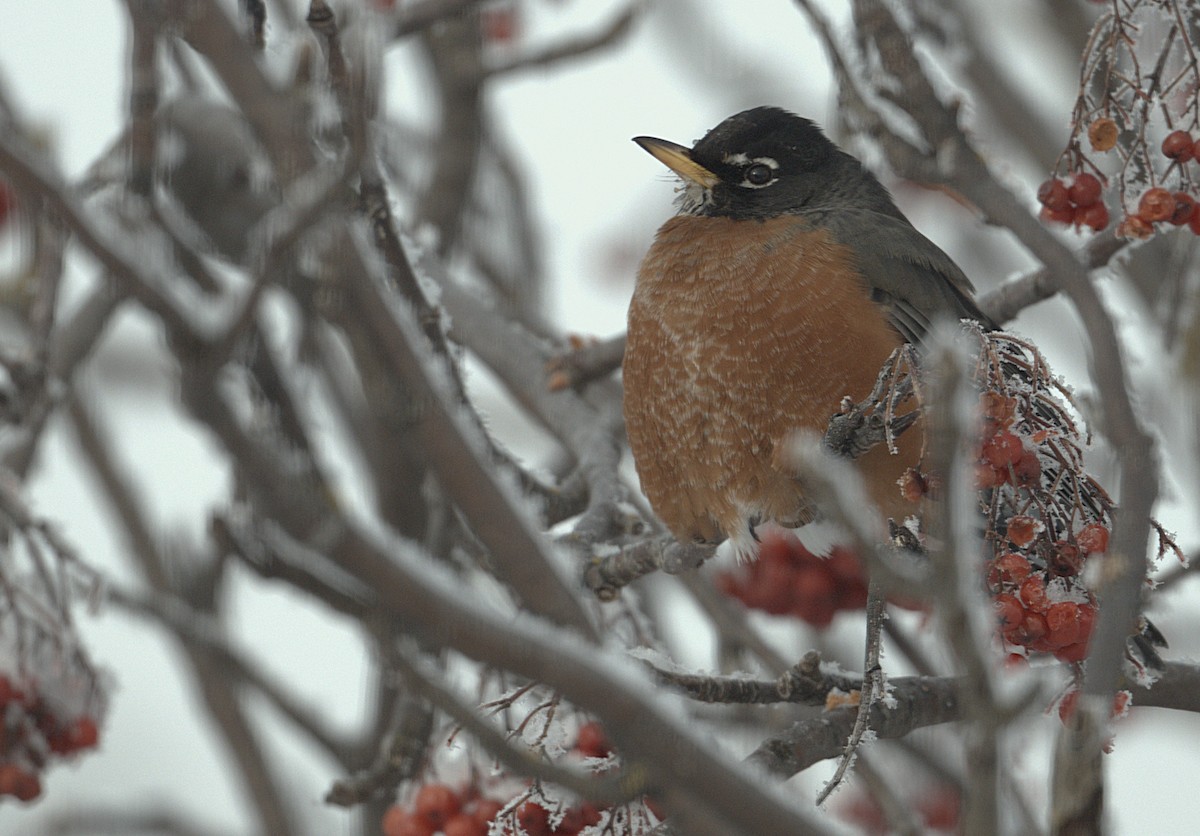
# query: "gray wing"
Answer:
x=906 y=272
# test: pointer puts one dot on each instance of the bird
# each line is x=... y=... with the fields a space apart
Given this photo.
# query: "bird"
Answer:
x=784 y=282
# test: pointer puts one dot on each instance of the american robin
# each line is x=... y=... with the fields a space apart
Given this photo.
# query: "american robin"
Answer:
x=782 y=285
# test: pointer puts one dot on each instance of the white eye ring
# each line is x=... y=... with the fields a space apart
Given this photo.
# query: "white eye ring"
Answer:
x=757 y=173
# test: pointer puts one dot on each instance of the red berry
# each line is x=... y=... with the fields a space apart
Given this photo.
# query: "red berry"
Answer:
x=28 y=786
x=1194 y=223
x=939 y=809
x=1053 y=195
x=776 y=547
x=499 y=24
x=996 y=408
x=1093 y=537
x=1009 y=612
x=8 y=691
x=1062 y=619
x=729 y=584
x=1068 y=704
x=1033 y=593
x=1027 y=470
x=769 y=585
x=590 y=814
x=851 y=596
x=843 y=566
x=398 y=821
x=1021 y=531
x=59 y=741
x=462 y=824
x=1064 y=560
x=592 y=742
x=1094 y=217
x=1185 y=207
x=987 y=476
x=863 y=812
x=17 y=782
x=1010 y=569
x=813 y=593
x=1030 y=632
x=850 y=584
x=912 y=485
x=534 y=819
x=1121 y=703
x=83 y=734
x=1156 y=204
x=1003 y=449
x=436 y=803
x=1085 y=190
x=1058 y=216
x=8 y=778
x=1178 y=145
x=655 y=807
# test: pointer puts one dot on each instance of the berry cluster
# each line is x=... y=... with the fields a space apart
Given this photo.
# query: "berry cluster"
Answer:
x=33 y=731
x=1158 y=205
x=437 y=808
x=1003 y=457
x=1041 y=605
x=1078 y=203
x=788 y=579
x=938 y=808
x=1028 y=614
x=1144 y=122
x=1045 y=516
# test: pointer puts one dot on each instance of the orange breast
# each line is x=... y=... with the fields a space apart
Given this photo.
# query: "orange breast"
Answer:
x=739 y=333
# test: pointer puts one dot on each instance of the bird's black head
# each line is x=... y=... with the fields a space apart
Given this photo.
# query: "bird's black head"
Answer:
x=765 y=162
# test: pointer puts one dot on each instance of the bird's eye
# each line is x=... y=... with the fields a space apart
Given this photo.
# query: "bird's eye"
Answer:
x=759 y=174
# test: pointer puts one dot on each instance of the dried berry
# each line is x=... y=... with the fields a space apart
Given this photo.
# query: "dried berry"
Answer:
x=1102 y=133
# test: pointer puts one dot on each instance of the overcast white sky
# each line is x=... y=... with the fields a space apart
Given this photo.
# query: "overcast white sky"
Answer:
x=600 y=199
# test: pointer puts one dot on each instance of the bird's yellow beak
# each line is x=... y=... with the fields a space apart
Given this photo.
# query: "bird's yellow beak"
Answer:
x=678 y=158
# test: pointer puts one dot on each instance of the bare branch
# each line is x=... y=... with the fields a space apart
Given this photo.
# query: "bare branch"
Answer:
x=919 y=703
x=576 y=47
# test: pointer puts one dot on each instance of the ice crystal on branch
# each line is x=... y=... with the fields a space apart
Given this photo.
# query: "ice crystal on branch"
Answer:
x=51 y=698
x=1139 y=112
